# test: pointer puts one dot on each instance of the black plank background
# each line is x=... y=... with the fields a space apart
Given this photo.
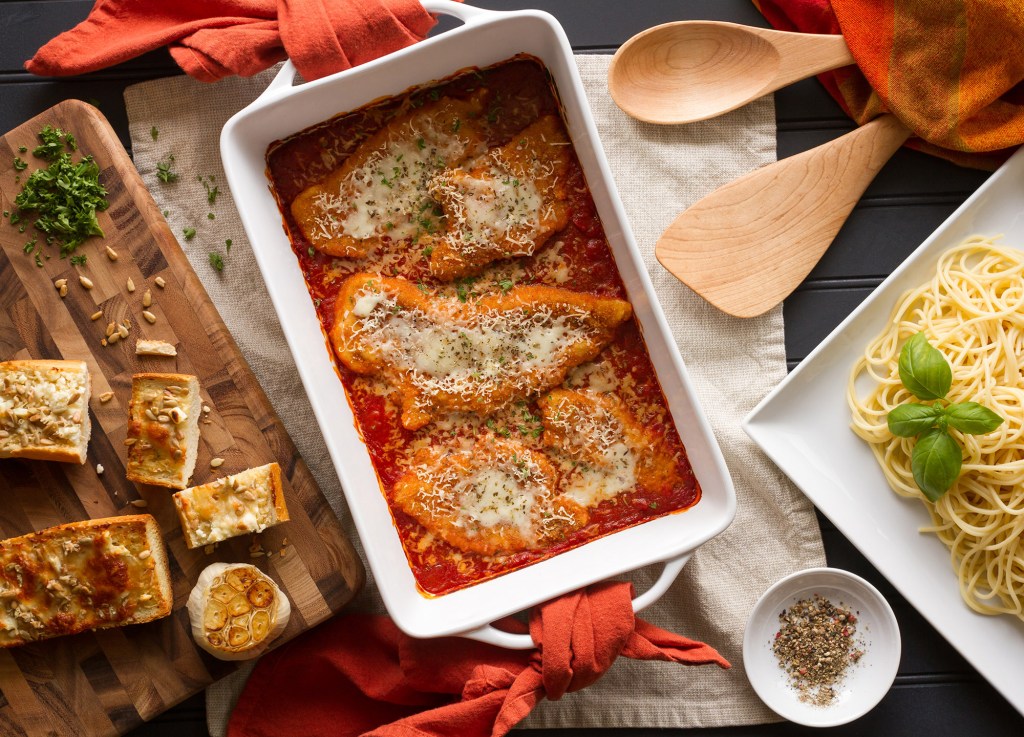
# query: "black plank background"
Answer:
x=936 y=692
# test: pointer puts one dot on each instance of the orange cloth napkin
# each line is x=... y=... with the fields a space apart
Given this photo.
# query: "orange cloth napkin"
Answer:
x=359 y=675
x=211 y=39
x=951 y=70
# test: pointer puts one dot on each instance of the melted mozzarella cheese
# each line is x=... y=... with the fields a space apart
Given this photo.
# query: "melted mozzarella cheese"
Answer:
x=492 y=207
x=468 y=353
x=495 y=497
x=44 y=406
x=389 y=193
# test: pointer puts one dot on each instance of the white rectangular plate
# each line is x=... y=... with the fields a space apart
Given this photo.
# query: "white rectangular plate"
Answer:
x=804 y=426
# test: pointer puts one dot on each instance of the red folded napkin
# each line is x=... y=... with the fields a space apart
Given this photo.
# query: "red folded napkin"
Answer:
x=952 y=72
x=211 y=39
x=359 y=675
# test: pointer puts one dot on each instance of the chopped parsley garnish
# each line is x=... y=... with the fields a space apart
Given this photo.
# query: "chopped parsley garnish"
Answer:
x=216 y=261
x=154 y=132
x=167 y=213
x=30 y=246
x=421 y=144
x=39 y=261
x=64 y=197
x=210 y=216
x=164 y=170
x=22 y=149
x=456 y=125
x=189 y=233
x=53 y=142
x=20 y=164
x=79 y=259
x=505 y=285
x=211 y=192
x=227 y=245
x=427 y=251
x=311 y=251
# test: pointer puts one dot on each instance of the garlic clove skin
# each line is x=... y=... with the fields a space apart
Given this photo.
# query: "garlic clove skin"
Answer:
x=236 y=611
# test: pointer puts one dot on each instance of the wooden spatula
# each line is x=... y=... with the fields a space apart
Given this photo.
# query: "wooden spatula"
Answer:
x=749 y=243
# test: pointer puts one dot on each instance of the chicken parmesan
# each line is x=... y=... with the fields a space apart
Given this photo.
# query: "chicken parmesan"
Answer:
x=446 y=356
x=479 y=325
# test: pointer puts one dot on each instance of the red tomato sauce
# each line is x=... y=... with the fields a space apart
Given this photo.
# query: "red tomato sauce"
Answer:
x=519 y=92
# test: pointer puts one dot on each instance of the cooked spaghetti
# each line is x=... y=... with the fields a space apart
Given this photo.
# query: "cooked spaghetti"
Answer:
x=972 y=310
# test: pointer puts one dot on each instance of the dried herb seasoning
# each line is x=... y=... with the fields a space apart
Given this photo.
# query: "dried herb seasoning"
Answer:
x=816 y=644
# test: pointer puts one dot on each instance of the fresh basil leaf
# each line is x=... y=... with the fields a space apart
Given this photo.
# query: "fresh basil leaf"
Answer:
x=924 y=370
x=912 y=419
x=972 y=418
x=935 y=461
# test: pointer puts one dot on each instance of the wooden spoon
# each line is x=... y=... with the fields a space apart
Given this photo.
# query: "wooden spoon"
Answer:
x=694 y=70
x=751 y=242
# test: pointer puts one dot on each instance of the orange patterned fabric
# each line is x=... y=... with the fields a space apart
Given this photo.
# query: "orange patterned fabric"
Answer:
x=951 y=70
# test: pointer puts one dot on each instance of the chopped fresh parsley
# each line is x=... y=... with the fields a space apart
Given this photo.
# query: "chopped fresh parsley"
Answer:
x=311 y=251
x=227 y=245
x=421 y=144
x=211 y=192
x=427 y=251
x=464 y=288
x=79 y=259
x=30 y=246
x=39 y=260
x=189 y=233
x=164 y=170
x=216 y=261
x=154 y=132
x=456 y=125
x=53 y=142
x=20 y=164
x=22 y=149
x=167 y=213
x=210 y=216
x=506 y=284
x=64 y=197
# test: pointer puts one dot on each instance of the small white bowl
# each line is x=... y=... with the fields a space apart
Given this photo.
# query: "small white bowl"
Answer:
x=864 y=683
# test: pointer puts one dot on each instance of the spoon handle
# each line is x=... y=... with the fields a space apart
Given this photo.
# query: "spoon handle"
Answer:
x=802 y=55
x=748 y=244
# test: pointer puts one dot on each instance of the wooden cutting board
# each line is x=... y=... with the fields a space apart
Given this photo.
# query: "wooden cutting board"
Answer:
x=106 y=683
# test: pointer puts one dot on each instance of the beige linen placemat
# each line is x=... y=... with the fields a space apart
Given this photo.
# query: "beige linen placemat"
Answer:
x=734 y=363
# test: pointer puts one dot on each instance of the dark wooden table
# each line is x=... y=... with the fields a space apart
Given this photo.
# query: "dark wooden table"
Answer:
x=936 y=692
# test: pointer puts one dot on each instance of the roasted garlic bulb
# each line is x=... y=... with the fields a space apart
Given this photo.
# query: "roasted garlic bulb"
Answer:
x=236 y=611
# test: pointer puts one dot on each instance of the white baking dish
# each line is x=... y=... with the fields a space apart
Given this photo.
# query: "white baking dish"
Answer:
x=486 y=37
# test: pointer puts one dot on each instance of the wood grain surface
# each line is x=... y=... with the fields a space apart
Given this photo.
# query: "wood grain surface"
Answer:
x=107 y=682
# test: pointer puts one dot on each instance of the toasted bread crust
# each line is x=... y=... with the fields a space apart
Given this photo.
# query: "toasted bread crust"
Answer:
x=163 y=429
x=246 y=502
x=84 y=575
x=36 y=389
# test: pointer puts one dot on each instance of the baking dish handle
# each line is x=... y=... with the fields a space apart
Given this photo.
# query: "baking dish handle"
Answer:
x=494 y=636
x=285 y=78
x=465 y=13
